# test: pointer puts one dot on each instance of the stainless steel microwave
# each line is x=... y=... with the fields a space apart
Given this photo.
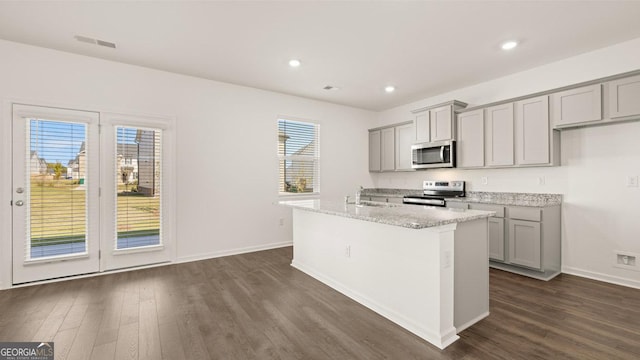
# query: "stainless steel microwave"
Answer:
x=440 y=154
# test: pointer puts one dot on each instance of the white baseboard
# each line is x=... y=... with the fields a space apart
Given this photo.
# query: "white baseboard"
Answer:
x=601 y=277
x=440 y=340
x=471 y=322
x=237 y=251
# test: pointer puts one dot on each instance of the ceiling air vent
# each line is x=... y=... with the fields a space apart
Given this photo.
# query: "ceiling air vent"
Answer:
x=93 y=41
x=106 y=43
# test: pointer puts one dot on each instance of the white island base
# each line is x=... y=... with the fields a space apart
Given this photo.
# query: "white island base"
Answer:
x=433 y=281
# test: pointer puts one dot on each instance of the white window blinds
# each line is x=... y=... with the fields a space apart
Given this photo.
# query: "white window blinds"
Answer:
x=138 y=183
x=299 y=157
x=56 y=163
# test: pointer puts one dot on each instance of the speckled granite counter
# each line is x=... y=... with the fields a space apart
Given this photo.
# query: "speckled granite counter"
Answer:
x=511 y=199
x=390 y=192
x=497 y=198
x=409 y=216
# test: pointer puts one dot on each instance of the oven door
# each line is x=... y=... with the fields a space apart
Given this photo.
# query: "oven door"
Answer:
x=433 y=155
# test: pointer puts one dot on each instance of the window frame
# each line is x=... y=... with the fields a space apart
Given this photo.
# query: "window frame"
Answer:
x=315 y=159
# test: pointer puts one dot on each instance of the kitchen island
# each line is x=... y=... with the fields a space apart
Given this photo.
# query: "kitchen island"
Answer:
x=424 y=268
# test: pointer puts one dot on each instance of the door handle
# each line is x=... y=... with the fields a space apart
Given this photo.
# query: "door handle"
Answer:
x=442 y=153
x=19 y=203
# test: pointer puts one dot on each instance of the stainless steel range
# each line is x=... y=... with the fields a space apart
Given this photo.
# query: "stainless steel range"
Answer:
x=435 y=193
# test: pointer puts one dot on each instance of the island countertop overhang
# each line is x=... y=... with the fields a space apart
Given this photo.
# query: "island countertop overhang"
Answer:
x=407 y=216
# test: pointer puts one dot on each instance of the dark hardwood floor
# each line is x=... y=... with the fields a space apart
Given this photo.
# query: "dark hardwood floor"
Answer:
x=256 y=306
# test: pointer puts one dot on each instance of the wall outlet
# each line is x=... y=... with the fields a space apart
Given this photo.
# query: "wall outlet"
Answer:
x=626 y=260
x=632 y=181
x=281 y=222
x=484 y=180
x=447 y=259
x=541 y=180
x=347 y=251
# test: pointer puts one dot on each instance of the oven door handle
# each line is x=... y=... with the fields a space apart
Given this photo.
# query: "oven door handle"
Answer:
x=442 y=153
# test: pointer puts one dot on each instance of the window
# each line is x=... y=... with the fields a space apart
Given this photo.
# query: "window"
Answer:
x=138 y=185
x=298 y=157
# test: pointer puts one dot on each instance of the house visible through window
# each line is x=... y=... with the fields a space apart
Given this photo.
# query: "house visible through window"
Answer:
x=299 y=157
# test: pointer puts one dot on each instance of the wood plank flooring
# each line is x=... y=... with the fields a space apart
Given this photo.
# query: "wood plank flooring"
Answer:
x=256 y=306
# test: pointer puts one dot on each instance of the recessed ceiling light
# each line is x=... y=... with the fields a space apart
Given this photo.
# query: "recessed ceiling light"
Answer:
x=389 y=89
x=294 y=62
x=329 y=87
x=508 y=45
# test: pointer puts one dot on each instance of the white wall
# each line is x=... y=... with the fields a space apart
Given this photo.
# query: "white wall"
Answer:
x=226 y=143
x=600 y=214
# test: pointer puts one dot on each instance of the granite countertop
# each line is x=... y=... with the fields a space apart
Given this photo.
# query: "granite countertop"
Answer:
x=408 y=216
x=390 y=192
x=511 y=199
x=496 y=198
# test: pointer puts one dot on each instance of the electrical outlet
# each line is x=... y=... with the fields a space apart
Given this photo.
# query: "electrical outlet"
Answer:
x=626 y=260
x=347 y=251
x=632 y=181
x=281 y=222
x=541 y=180
x=447 y=260
x=484 y=180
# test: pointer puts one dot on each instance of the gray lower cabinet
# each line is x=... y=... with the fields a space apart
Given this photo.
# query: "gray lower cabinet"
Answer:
x=522 y=239
x=525 y=243
x=496 y=230
x=496 y=239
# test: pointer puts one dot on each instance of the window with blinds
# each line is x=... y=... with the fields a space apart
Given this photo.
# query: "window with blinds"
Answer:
x=138 y=187
x=299 y=157
x=56 y=178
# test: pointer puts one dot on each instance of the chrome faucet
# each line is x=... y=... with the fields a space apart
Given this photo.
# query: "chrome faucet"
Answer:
x=358 y=195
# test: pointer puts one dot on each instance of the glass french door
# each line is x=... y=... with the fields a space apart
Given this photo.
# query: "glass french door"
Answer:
x=87 y=193
x=135 y=227
x=55 y=193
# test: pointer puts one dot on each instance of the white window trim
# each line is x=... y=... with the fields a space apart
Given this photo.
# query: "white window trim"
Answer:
x=316 y=158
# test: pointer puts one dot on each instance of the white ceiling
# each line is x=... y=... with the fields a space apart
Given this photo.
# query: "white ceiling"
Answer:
x=423 y=48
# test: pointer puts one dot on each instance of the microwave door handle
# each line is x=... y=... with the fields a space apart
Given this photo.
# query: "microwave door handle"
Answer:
x=442 y=153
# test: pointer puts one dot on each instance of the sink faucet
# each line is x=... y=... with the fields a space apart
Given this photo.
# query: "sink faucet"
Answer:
x=358 y=195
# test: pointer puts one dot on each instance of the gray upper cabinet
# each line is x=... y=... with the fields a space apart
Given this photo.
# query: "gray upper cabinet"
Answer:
x=499 y=135
x=532 y=131
x=577 y=106
x=404 y=139
x=388 y=148
x=423 y=130
x=624 y=97
x=374 y=150
x=441 y=123
x=470 y=144
x=436 y=123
